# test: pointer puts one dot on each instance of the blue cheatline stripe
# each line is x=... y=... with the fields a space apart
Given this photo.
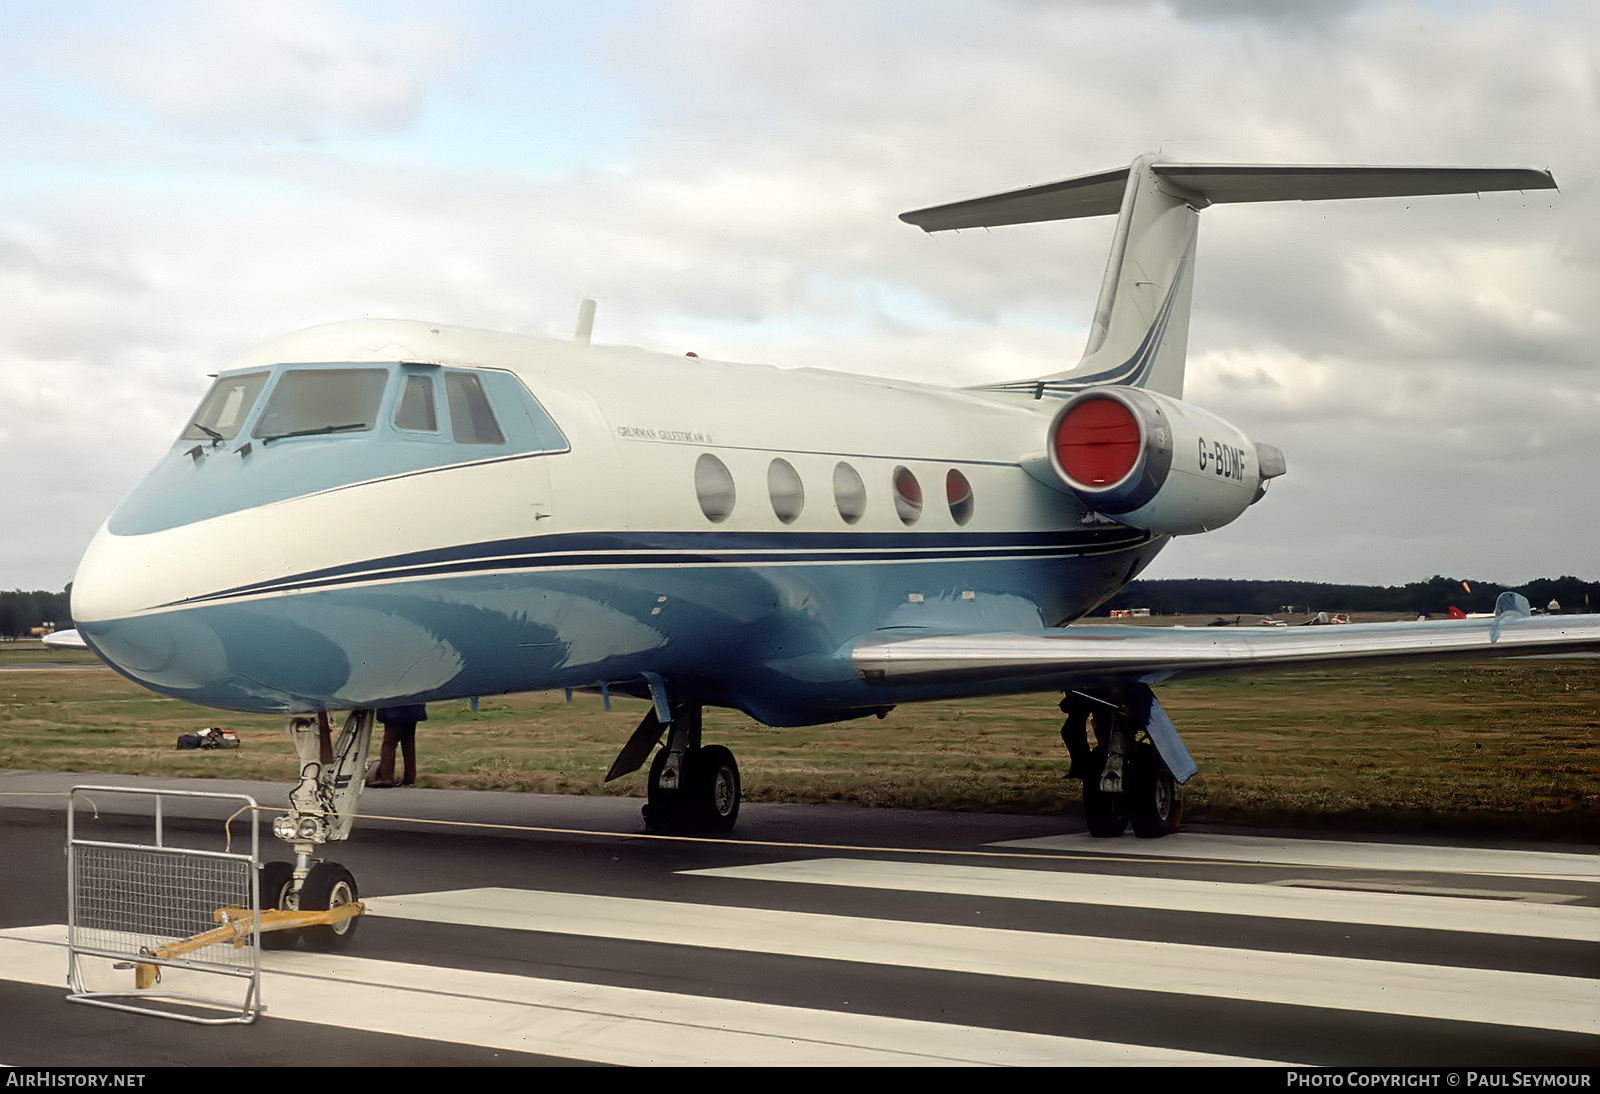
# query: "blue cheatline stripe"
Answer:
x=1135 y=371
x=594 y=550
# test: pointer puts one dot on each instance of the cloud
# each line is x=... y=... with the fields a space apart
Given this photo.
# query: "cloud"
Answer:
x=188 y=181
x=296 y=68
x=1276 y=15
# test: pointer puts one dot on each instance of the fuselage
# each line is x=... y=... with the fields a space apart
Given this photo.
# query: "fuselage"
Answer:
x=381 y=512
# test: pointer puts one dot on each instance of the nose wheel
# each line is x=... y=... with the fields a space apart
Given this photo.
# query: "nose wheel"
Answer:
x=327 y=887
x=323 y=912
x=277 y=895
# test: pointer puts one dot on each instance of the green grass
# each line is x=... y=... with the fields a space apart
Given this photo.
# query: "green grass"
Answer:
x=1505 y=747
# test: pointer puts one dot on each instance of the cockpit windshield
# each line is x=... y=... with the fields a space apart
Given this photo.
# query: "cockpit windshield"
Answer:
x=224 y=408
x=310 y=401
x=352 y=424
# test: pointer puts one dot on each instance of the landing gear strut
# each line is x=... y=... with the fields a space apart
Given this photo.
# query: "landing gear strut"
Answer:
x=1124 y=777
x=322 y=810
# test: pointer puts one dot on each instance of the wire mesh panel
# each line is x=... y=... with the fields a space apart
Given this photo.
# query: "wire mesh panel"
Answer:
x=137 y=900
x=166 y=921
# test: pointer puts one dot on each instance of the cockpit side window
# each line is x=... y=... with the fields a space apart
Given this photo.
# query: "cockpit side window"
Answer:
x=416 y=405
x=311 y=401
x=225 y=407
x=471 y=418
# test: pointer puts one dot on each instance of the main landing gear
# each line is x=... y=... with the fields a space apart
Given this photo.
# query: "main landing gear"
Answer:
x=692 y=787
x=321 y=810
x=1124 y=777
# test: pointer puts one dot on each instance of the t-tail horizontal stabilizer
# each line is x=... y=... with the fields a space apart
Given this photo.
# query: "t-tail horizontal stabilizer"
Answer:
x=1140 y=330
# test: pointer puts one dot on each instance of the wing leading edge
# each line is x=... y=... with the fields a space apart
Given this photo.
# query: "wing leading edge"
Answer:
x=1069 y=655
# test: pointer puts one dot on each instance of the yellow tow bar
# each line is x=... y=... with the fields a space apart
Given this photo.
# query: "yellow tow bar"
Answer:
x=237 y=927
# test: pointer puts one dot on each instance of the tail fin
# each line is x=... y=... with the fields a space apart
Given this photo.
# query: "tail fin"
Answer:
x=1140 y=332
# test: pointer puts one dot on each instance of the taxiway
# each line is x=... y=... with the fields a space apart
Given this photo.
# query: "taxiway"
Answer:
x=523 y=929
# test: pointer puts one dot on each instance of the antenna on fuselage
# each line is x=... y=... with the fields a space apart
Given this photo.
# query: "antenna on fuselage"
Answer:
x=585 y=327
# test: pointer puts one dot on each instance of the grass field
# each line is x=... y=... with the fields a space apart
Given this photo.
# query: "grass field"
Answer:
x=1504 y=748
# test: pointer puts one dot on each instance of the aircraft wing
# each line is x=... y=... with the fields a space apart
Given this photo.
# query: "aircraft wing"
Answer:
x=64 y=640
x=1071 y=656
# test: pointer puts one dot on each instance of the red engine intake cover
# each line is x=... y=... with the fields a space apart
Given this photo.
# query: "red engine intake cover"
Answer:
x=1098 y=442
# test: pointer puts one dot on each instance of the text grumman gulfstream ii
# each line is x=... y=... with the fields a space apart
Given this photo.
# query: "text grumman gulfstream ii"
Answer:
x=375 y=513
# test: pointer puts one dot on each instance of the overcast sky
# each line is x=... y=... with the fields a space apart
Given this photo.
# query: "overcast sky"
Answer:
x=183 y=181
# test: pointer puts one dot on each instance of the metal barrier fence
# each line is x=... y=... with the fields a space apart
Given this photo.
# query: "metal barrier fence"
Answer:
x=159 y=912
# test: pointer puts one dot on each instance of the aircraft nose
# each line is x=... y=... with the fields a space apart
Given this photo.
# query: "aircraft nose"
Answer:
x=118 y=593
x=104 y=588
x=101 y=594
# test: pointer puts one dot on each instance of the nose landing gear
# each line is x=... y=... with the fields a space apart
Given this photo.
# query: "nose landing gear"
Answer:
x=322 y=810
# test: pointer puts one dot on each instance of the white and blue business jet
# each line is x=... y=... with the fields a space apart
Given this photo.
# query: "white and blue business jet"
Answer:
x=377 y=513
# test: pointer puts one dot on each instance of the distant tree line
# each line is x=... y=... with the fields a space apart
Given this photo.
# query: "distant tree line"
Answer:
x=20 y=612
x=1435 y=596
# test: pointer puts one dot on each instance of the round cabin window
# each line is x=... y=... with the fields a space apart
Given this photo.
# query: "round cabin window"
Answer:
x=787 y=492
x=849 y=493
x=713 y=486
x=958 y=492
x=907 y=496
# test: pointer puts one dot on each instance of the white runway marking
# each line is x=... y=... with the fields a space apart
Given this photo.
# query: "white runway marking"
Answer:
x=606 y=1024
x=1227 y=898
x=1558 y=865
x=1381 y=987
x=574 y=1020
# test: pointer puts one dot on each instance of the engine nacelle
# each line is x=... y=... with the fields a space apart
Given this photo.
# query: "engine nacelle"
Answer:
x=1153 y=462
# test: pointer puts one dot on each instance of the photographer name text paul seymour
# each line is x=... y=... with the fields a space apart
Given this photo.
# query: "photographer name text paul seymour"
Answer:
x=1473 y=1080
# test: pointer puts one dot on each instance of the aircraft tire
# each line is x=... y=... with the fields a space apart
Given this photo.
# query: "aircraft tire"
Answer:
x=714 y=789
x=329 y=885
x=1153 y=803
x=275 y=881
x=1102 y=812
x=663 y=809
